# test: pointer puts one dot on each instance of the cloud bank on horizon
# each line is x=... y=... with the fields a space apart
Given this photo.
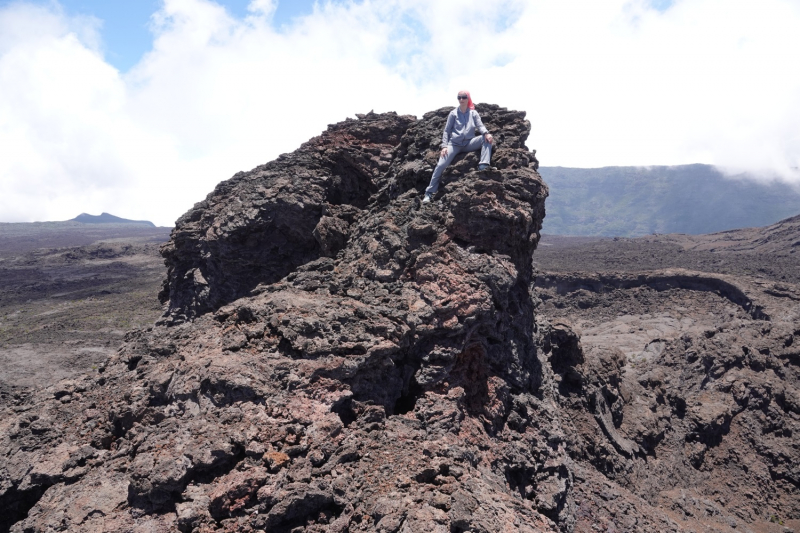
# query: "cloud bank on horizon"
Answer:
x=604 y=82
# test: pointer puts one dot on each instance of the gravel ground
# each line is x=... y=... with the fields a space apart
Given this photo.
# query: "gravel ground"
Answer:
x=64 y=310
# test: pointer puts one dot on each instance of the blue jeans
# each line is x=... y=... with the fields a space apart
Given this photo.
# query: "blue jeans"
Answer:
x=452 y=151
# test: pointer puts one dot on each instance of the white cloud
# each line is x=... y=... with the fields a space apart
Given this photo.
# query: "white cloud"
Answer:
x=60 y=127
x=705 y=81
x=611 y=82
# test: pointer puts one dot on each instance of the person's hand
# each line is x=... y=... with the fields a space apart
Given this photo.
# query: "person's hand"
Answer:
x=489 y=138
x=444 y=152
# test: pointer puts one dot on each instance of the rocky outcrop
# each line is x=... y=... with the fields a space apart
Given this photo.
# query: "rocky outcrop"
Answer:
x=259 y=226
x=381 y=373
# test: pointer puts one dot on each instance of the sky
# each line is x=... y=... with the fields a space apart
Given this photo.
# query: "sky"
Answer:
x=139 y=108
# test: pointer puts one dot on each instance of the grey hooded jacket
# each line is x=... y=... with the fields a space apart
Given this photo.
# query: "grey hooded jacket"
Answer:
x=460 y=127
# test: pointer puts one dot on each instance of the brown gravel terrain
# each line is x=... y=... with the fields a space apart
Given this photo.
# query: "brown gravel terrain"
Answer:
x=68 y=294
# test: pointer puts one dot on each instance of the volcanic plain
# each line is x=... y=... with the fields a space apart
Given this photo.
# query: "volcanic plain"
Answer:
x=68 y=293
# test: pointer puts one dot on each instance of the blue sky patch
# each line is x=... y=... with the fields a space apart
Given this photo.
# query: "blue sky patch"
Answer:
x=506 y=19
x=407 y=43
x=662 y=5
x=125 y=31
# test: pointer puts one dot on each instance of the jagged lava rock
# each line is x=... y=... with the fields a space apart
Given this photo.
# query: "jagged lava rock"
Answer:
x=258 y=226
x=375 y=372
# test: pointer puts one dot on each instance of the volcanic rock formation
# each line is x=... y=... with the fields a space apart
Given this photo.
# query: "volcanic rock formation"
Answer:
x=335 y=356
x=316 y=390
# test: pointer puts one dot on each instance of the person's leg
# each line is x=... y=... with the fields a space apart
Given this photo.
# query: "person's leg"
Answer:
x=473 y=144
x=440 y=166
x=486 y=152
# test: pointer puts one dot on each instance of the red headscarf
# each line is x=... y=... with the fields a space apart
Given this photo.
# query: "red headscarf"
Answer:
x=470 y=105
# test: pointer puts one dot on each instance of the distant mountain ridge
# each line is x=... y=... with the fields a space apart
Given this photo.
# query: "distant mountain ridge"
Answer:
x=636 y=201
x=107 y=218
x=781 y=238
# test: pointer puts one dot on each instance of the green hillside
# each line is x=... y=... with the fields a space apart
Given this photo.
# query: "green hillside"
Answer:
x=633 y=201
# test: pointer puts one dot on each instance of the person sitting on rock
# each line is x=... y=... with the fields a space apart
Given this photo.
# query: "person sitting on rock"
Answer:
x=459 y=136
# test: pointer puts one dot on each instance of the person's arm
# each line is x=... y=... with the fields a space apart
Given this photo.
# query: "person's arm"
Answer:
x=448 y=130
x=479 y=123
x=482 y=129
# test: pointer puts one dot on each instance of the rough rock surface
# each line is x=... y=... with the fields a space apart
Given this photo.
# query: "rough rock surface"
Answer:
x=259 y=226
x=686 y=394
x=336 y=356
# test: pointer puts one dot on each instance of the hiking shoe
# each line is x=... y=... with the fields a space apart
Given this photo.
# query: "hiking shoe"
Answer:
x=482 y=167
x=427 y=199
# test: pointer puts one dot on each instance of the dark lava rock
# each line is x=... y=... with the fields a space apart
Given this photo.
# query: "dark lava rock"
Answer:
x=260 y=225
x=335 y=356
